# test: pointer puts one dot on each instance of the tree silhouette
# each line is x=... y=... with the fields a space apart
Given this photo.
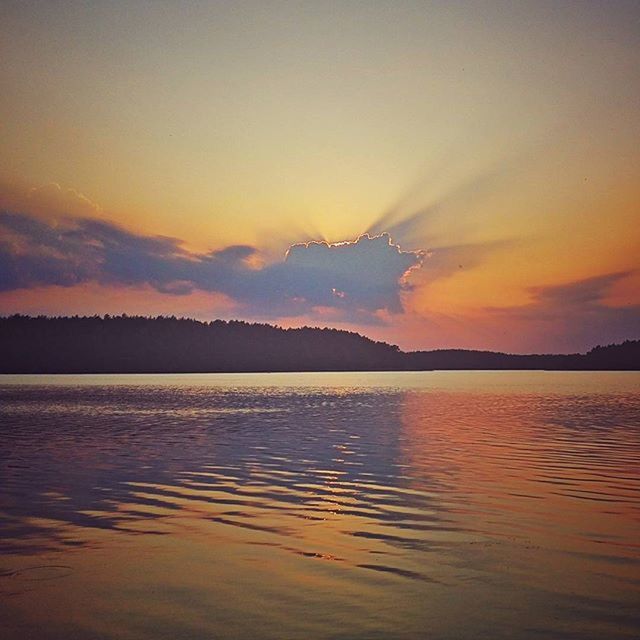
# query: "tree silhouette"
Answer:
x=134 y=344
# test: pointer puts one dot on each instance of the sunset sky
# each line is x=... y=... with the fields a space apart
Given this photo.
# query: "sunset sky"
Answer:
x=432 y=174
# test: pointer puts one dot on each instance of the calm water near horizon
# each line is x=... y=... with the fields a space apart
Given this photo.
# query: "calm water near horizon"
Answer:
x=443 y=505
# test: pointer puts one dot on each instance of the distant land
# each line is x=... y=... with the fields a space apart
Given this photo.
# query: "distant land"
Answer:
x=134 y=344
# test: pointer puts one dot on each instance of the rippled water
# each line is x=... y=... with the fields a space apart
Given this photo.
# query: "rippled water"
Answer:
x=413 y=505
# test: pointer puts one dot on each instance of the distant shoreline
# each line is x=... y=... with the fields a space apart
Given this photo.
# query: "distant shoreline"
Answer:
x=168 y=345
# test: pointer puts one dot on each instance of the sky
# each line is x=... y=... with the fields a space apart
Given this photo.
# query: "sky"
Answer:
x=431 y=174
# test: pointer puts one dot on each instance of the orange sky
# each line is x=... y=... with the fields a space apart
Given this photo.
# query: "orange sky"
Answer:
x=498 y=140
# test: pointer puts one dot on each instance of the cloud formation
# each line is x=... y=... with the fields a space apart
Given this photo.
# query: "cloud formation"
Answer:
x=575 y=315
x=359 y=279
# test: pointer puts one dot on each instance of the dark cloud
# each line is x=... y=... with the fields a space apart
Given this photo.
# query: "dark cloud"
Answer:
x=357 y=279
x=583 y=294
x=368 y=273
x=575 y=316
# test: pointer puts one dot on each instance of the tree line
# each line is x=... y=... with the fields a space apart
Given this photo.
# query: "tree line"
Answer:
x=136 y=344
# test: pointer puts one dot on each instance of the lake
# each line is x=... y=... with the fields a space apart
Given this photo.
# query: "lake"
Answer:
x=442 y=505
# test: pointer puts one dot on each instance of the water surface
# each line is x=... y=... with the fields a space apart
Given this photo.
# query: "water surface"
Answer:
x=338 y=505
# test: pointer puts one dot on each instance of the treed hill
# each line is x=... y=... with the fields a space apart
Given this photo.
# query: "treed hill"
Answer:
x=137 y=344
x=126 y=344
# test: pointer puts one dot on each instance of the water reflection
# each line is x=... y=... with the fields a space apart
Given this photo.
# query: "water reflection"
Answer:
x=321 y=508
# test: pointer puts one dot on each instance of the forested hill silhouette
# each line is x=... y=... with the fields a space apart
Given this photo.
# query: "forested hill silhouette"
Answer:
x=125 y=344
